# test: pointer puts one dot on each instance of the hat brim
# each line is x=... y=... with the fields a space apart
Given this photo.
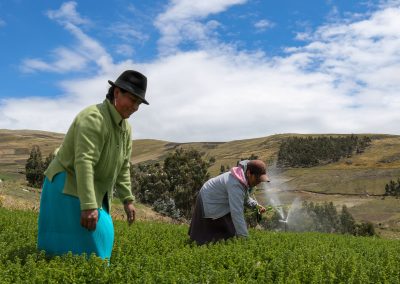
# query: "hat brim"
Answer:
x=135 y=95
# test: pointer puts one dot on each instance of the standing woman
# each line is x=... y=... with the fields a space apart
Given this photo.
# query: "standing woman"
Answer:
x=93 y=159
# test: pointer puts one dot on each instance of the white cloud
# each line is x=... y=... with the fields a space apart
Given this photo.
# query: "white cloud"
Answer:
x=128 y=32
x=65 y=60
x=74 y=58
x=187 y=9
x=67 y=14
x=361 y=51
x=345 y=80
x=124 y=49
x=182 y=21
x=263 y=25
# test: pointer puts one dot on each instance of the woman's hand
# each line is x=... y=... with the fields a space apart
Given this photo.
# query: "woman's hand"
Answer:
x=130 y=211
x=89 y=219
x=261 y=209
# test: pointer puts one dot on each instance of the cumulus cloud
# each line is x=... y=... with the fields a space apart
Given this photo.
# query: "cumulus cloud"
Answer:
x=65 y=60
x=344 y=80
x=363 y=52
x=263 y=25
x=128 y=32
x=67 y=14
x=183 y=21
x=73 y=58
x=124 y=49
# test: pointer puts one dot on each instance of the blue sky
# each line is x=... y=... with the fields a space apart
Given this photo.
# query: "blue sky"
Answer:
x=218 y=70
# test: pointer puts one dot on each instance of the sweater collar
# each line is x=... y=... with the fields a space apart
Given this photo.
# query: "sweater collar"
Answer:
x=115 y=116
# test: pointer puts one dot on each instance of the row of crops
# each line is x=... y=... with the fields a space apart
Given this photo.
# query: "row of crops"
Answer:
x=160 y=253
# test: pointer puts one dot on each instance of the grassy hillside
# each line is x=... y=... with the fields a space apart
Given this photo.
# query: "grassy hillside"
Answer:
x=150 y=252
x=15 y=146
x=357 y=182
x=384 y=153
x=16 y=195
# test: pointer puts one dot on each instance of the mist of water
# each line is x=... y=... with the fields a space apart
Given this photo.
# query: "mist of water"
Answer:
x=272 y=197
x=288 y=211
x=293 y=216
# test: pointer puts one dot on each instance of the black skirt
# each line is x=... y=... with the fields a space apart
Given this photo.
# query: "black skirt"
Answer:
x=204 y=230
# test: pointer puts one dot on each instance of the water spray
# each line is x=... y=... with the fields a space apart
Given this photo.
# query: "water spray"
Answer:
x=285 y=222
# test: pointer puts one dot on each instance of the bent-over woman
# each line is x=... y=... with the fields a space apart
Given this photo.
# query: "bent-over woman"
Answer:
x=219 y=209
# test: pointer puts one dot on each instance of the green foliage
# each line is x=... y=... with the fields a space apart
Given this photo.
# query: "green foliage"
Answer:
x=186 y=171
x=48 y=160
x=348 y=224
x=179 y=179
x=148 y=252
x=167 y=207
x=310 y=152
x=325 y=216
x=34 y=168
x=364 y=229
x=150 y=183
x=393 y=188
x=212 y=161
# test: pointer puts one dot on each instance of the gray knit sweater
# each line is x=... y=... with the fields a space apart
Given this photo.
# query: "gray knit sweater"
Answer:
x=223 y=194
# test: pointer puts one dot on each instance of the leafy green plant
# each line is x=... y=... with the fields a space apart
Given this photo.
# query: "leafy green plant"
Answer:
x=150 y=252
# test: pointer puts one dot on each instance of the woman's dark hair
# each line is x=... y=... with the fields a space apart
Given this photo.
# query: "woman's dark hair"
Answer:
x=110 y=94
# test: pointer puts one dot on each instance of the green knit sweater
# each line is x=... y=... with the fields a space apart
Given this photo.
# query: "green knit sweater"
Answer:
x=96 y=155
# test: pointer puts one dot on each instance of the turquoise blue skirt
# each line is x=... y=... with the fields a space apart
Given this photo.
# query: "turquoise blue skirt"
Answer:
x=60 y=230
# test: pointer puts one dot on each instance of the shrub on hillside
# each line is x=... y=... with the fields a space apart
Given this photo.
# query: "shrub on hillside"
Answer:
x=35 y=167
x=167 y=207
x=179 y=178
x=149 y=182
x=310 y=152
x=393 y=188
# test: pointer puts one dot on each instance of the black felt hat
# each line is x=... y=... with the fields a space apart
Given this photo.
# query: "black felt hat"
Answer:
x=133 y=82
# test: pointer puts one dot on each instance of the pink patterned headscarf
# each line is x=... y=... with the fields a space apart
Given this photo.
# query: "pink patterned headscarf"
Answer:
x=238 y=173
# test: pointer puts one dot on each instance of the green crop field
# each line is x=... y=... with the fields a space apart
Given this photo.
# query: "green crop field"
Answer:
x=150 y=252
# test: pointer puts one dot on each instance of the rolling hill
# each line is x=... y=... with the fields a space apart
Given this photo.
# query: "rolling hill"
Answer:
x=357 y=182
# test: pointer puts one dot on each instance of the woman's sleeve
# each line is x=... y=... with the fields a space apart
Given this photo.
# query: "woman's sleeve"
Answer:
x=251 y=202
x=236 y=205
x=89 y=141
x=123 y=184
